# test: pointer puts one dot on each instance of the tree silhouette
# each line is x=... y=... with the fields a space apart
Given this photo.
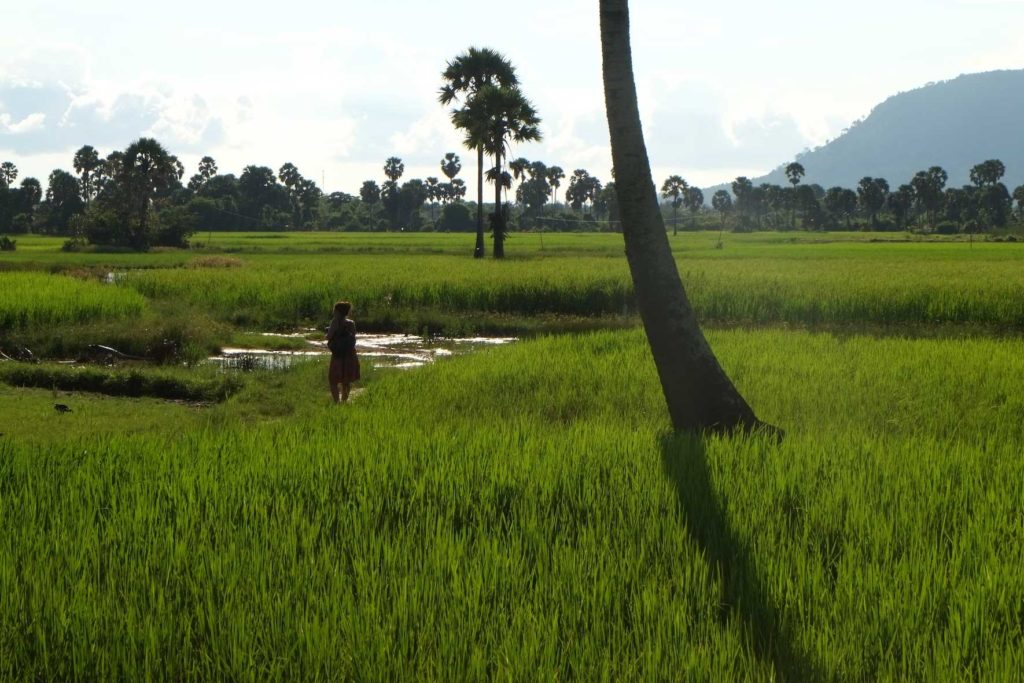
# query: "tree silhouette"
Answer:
x=988 y=173
x=1018 y=194
x=841 y=202
x=674 y=188
x=554 y=176
x=87 y=163
x=451 y=165
x=144 y=171
x=434 y=193
x=583 y=189
x=463 y=78
x=207 y=170
x=794 y=172
x=871 y=195
x=900 y=203
x=393 y=168
x=8 y=174
x=928 y=190
x=63 y=194
x=721 y=202
x=534 y=192
x=742 y=189
x=694 y=202
x=31 y=195
x=369 y=193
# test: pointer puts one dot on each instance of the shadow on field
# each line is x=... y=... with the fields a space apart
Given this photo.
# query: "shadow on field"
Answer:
x=684 y=460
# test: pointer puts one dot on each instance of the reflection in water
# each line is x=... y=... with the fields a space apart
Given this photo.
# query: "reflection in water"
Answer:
x=400 y=351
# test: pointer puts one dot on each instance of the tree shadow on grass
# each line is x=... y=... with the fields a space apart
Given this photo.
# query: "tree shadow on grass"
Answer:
x=684 y=460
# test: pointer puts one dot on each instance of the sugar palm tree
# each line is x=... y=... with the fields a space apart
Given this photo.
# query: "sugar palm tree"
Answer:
x=87 y=163
x=463 y=78
x=518 y=168
x=147 y=169
x=700 y=396
x=492 y=120
x=451 y=165
x=8 y=174
x=693 y=200
x=393 y=168
x=674 y=188
x=555 y=175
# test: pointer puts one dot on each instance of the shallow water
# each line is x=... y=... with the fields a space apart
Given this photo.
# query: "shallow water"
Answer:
x=401 y=351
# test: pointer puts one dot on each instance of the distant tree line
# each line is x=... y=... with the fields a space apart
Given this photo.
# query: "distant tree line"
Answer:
x=137 y=197
x=924 y=203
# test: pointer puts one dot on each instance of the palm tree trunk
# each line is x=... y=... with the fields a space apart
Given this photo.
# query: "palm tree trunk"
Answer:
x=699 y=394
x=479 y=251
x=499 y=215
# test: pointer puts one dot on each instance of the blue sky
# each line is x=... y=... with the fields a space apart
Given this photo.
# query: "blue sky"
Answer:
x=336 y=87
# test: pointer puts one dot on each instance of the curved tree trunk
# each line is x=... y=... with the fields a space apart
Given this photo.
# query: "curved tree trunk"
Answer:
x=479 y=251
x=699 y=394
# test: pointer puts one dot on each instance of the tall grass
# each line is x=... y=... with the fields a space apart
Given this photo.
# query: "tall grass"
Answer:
x=523 y=514
x=881 y=284
x=281 y=279
x=37 y=300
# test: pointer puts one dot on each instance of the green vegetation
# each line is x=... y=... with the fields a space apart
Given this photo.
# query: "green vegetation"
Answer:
x=438 y=525
x=185 y=385
x=38 y=300
x=521 y=512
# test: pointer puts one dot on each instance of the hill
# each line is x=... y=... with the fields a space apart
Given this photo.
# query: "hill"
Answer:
x=954 y=124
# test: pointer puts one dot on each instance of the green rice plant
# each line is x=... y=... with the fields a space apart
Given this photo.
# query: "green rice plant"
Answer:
x=751 y=283
x=523 y=513
x=40 y=300
x=408 y=281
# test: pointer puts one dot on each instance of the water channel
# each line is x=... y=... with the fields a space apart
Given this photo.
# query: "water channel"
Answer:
x=399 y=351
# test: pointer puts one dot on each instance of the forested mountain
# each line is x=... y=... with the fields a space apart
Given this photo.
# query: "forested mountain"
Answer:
x=953 y=124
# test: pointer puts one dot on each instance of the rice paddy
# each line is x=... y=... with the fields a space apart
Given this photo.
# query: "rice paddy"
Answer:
x=523 y=512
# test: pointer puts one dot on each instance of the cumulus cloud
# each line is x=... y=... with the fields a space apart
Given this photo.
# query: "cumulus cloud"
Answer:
x=26 y=125
x=49 y=117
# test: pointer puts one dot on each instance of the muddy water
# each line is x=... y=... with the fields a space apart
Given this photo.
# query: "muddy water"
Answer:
x=400 y=351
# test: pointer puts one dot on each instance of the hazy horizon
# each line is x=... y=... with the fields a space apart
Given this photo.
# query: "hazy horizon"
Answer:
x=337 y=88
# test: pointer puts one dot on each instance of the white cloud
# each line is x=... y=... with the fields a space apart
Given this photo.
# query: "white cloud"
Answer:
x=432 y=131
x=26 y=125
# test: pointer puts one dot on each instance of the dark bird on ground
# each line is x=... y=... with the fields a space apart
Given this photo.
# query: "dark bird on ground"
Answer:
x=61 y=408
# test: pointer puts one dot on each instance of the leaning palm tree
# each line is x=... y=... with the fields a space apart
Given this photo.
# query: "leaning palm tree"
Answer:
x=492 y=120
x=699 y=394
x=463 y=78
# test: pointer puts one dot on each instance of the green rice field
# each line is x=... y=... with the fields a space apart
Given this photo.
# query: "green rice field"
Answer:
x=522 y=512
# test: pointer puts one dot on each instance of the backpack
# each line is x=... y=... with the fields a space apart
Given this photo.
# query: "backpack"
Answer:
x=342 y=343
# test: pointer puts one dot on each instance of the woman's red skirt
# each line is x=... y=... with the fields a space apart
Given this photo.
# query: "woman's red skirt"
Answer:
x=344 y=369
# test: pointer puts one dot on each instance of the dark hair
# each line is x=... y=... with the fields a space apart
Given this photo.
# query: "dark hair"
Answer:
x=342 y=308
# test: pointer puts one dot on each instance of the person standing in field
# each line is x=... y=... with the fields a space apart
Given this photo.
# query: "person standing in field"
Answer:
x=341 y=340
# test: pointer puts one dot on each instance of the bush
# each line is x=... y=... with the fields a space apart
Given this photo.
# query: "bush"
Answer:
x=456 y=218
x=7 y=244
x=175 y=224
x=132 y=382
